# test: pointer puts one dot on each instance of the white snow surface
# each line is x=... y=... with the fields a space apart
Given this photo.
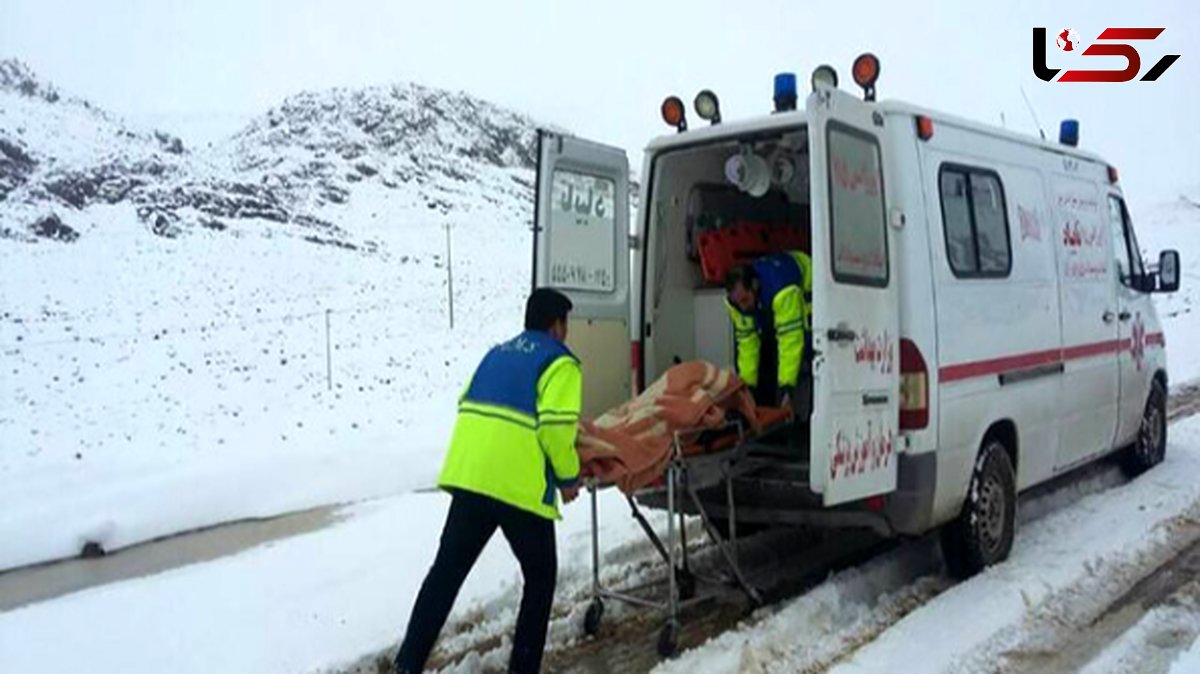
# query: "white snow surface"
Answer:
x=302 y=604
x=318 y=601
x=1072 y=559
x=1189 y=661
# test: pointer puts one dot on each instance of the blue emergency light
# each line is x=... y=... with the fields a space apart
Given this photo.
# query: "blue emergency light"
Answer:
x=1068 y=132
x=785 y=92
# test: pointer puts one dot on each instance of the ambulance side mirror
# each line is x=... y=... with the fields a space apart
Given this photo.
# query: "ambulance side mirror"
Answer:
x=1168 y=271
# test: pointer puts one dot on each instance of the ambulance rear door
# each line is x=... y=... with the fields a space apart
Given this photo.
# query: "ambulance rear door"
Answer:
x=581 y=247
x=855 y=310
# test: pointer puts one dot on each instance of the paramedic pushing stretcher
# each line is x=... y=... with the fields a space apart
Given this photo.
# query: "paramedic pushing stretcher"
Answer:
x=513 y=447
x=769 y=301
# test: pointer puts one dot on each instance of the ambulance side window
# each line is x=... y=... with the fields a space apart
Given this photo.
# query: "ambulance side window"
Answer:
x=1125 y=247
x=975 y=220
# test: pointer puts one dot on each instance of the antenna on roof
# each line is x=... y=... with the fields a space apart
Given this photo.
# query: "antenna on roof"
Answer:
x=1033 y=114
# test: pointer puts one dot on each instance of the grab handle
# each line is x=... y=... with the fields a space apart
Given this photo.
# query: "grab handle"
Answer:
x=841 y=335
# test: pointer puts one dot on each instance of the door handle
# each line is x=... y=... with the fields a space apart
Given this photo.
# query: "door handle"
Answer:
x=870 y=399
x=841 y=335
x=1124 y=315
x=1109 y=316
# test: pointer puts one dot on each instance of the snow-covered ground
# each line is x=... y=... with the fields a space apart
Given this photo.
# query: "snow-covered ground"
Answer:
x=1065 y=568
x=1189 y=662
x=302 y=604
x=152 y=384
x=199 y=394
x=321 y=600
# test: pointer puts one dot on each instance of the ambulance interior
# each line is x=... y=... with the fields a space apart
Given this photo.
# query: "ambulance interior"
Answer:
x=713 y=207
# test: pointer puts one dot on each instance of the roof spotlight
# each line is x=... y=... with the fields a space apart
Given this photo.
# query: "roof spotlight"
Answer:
x=866 y=72
x=707 y=106
x=824 y=76
x=672 y=113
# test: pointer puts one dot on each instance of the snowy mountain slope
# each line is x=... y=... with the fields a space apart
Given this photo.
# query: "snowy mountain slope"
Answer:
x=165 y=362
x=440 y=150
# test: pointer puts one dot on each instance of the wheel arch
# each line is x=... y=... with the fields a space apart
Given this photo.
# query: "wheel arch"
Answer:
x=1005 y=432
x=1160 y=376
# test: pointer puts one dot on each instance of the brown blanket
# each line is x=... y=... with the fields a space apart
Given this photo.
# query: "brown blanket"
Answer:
x=631 y=444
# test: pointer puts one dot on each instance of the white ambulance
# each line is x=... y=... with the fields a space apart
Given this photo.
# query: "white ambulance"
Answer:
x=981 y=313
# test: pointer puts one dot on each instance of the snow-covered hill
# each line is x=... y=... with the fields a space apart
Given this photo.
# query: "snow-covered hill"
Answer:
x=446 y=152
x=163 y=310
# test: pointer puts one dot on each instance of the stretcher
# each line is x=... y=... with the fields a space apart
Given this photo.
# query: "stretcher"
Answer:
x=701 y=459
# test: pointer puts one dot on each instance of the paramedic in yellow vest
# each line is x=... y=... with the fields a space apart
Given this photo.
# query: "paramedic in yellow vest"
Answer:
x=512 y=451
x=772 y=293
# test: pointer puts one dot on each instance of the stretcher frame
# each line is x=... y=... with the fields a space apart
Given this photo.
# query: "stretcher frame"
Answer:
x=691 y=474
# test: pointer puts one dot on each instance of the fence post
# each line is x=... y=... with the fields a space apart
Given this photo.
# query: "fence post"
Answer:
x=328 y=353
x=449 y=276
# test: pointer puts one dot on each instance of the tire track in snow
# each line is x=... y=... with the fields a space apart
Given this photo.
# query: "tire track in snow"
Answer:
x=1139 y=632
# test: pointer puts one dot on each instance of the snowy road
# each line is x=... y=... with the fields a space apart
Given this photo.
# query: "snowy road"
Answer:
x=815 y=620
x=318 y=600
x=39 y=583
x=1100 y=579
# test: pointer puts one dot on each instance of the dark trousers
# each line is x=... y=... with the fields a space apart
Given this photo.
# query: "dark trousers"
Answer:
x=471 y=522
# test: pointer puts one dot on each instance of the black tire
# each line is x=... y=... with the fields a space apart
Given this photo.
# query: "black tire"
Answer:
x=982 y=534
x=591 y=619
x=668 y=641
x=1150 y=447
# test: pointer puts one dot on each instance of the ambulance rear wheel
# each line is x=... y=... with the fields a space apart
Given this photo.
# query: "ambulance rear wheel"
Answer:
x=1150 y=447
x=982 y=534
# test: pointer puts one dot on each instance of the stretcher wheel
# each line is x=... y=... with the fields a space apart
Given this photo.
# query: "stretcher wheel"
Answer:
x=686 y=582
x=591 y=619
x=668 y=640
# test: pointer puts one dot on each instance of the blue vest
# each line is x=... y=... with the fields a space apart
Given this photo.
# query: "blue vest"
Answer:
x=776 y=272
x=509 y=373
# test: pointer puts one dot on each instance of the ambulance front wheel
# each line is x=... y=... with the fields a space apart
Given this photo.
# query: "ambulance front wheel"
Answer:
x=982 y=534
x=1150 y=447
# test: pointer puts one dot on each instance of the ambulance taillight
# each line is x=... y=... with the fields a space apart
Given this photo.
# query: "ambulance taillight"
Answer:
x=914 y=388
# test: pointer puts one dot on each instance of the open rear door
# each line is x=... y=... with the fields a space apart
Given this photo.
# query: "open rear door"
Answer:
x=581 y=247
x=855 y=312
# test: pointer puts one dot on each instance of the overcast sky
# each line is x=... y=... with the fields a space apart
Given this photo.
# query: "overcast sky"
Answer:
x=602 y=68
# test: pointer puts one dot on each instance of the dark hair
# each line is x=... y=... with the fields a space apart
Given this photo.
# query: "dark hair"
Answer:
x=742 y=275
x=544 y=307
